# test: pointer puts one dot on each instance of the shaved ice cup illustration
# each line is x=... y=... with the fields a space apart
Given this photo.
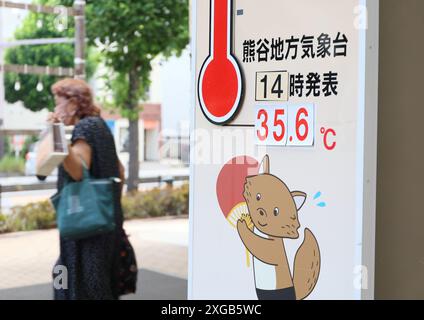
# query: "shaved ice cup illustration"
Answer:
x=230 y=186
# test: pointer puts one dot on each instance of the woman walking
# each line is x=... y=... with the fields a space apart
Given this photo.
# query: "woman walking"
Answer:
x=93 y=264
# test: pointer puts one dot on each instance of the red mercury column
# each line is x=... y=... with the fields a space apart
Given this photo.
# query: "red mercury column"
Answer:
x=220 y=82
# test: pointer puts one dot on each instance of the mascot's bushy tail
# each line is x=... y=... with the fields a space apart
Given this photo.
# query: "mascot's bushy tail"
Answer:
x=307 y=263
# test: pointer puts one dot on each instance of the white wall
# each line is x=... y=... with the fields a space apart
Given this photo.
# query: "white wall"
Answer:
x=17 y=117
x=171 y=87
x=152 y=145
x=11 y=19
x=124 y=156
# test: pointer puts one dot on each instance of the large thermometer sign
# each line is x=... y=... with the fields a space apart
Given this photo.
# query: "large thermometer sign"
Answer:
x=284 y=144
x=220 y=84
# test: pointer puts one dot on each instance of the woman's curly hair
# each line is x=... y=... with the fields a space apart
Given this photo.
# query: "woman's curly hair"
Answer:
x=78 y=92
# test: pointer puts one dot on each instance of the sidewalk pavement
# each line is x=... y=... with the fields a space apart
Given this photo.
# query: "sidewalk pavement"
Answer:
x=161 y=247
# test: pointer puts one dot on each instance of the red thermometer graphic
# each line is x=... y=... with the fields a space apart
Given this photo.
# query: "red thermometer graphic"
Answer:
x=220 y=83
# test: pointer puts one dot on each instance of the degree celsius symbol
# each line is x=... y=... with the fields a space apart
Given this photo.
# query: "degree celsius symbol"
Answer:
x=326 y=139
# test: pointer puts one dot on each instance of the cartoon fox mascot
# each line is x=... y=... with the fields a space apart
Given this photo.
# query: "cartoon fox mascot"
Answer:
x=273 y=213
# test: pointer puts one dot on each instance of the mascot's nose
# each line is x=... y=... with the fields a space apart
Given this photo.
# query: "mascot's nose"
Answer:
x=262 y=212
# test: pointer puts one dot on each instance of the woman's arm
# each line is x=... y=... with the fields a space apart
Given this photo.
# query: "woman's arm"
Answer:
x=72 y=163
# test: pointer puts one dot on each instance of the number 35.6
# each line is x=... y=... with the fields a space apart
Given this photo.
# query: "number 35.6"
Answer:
x=285 y=125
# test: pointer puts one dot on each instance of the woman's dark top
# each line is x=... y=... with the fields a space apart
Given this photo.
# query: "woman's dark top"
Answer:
x=92 y=263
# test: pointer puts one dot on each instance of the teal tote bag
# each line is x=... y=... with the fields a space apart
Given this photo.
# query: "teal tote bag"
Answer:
x=85 y=208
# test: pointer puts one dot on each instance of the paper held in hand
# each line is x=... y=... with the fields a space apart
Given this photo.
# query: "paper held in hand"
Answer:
x=52 y=149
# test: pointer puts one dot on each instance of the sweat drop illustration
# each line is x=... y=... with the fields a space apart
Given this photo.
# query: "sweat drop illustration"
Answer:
x=273 y=212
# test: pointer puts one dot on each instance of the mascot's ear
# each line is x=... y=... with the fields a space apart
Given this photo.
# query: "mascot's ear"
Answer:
x=264 y=167
x=299 y=198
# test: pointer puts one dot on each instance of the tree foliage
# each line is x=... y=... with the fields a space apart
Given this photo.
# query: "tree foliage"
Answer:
x=39 y=26
x=128 y=33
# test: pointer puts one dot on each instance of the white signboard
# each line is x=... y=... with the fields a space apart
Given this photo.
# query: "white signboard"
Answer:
x=282 y=185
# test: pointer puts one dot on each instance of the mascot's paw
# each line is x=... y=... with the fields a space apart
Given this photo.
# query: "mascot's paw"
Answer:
x=248 y=220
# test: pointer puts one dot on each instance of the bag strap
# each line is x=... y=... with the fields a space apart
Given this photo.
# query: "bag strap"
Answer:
x=85 y=172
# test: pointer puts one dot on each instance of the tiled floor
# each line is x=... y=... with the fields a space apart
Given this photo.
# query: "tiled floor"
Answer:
x=161 y=245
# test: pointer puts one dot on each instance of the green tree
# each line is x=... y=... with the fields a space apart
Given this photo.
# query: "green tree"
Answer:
x=42 y=55
x=40 y=26
x=133 y=33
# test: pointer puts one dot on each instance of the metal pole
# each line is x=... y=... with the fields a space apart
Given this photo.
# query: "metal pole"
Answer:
x=35 y=7
x=179 y=147
x=37 y=70
x=79 y=8
x=2 y=91
x=35 y=42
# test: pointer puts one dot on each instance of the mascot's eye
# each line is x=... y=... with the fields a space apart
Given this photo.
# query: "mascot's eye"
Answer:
x=258 y=196
x=276 y=211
